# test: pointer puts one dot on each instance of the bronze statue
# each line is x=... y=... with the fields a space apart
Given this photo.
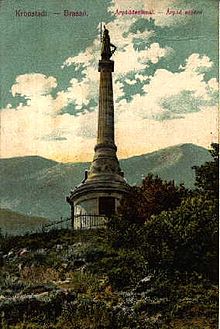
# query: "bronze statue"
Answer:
x=106 y=51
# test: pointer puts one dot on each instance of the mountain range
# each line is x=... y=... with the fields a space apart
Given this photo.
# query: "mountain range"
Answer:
x=36 y=186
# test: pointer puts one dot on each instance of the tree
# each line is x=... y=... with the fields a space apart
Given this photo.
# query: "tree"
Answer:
x=207 y=175
x=185 y=239
x=152 y=197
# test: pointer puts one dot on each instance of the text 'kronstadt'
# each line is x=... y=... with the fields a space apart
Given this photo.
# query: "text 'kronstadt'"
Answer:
x=43 y=13
x=35 y=13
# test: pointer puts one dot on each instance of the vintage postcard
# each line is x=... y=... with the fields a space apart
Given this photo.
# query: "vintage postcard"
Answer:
x=109 y=109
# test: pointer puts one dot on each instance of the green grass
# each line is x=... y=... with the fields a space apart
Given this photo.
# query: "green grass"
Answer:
x=16 y=223
x=93 y=298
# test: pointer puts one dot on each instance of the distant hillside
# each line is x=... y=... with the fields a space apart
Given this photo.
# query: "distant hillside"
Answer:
x=172 y=163
x=36 y=186
x=16 y=223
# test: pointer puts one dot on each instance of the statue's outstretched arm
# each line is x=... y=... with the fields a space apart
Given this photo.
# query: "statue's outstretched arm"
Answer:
x=114 y=48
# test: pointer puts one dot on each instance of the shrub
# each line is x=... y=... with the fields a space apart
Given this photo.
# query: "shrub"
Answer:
x=153 y=196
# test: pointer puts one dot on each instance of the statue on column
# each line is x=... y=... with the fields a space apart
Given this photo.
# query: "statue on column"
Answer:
x=108 y=48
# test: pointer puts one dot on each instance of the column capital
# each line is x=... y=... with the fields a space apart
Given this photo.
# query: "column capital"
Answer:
x=106 y=65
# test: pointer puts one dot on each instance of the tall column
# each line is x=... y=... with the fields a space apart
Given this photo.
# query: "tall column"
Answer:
x=105 y=162
x=103 y=185
x=106 y=104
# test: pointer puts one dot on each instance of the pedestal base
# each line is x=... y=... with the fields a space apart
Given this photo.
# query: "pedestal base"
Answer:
x=100 y=198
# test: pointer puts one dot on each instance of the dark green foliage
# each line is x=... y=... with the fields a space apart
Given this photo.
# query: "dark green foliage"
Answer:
x=94 y=253
x=86 y=313
x=207 y=175
x=36 y=240
x=180 y=231
x=122 y=233
x=123 y=270
x=42 y=312
x=185 y=239
x=153 y=196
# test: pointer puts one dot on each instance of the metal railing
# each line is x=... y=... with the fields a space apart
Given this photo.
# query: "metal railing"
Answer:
x=87 y=221
x=61 y=224
x=79 y=222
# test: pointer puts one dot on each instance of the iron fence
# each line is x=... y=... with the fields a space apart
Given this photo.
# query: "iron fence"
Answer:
x=87 y=221
x=79 y=222
x=61 y=224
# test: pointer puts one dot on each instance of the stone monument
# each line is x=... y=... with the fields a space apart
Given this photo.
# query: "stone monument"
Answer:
x=99 y=194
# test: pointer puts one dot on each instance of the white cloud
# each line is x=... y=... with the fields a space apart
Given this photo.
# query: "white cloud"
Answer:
x=165 y=83
x=136 y=133
x=141 y=77
x=33 y=84
x=128 y=59
x=196 y=62
x=153 y=53
x=63 y=137
x=79 y=92
x=130 y=82
x=118 y=90
x=213 y=84
x=37 y=127
x=150 y=135
x=88 y=57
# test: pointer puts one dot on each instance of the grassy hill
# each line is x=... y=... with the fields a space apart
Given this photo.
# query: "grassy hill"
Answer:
x=16 y=223
x=70 y=280
x=38 y=187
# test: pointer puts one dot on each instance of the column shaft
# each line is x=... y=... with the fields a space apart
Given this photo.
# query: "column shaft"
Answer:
x=106 y=109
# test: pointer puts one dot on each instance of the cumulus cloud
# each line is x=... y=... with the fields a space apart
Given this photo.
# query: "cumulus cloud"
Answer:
x=72 y=138
x=153 y=53
x=34 y=84
x=62 y=137
x=196 y=62
x=129 y=59
x=171 y=95
x=79 y=93
x=37 y=127
x=150 y=135
x=213 y=84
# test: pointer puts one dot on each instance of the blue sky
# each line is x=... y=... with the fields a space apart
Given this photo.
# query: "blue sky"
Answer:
x=165 y=80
